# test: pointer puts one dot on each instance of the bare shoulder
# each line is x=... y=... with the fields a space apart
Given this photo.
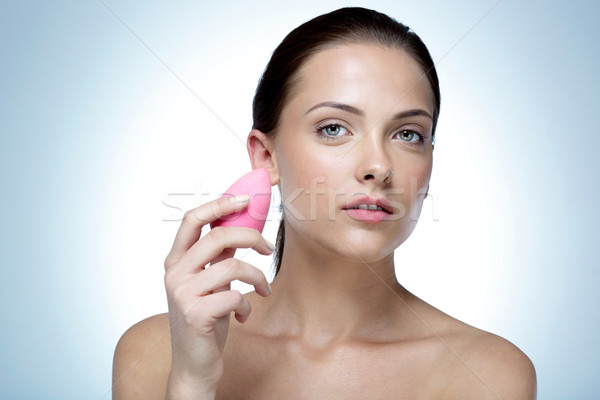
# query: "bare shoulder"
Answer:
x=473 y=363
x=142 y=360
x=494 y=365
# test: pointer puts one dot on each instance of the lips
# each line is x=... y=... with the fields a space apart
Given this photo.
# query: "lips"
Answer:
x=371 y=204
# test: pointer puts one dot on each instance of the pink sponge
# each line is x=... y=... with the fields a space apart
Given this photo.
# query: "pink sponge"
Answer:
x=256 y=184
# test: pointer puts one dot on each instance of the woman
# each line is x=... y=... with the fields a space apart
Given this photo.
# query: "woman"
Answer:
x=344 y=122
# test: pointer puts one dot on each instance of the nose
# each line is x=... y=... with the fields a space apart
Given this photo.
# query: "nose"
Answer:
x=375 y=163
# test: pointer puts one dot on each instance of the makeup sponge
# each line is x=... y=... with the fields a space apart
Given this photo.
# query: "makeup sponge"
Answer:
x=256 y=184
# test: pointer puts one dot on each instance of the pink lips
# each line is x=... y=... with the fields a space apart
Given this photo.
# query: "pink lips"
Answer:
x=369 y=216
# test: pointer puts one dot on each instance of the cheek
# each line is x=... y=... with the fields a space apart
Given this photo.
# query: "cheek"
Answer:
x=297 y=174
x=410 y=186
x=419 y=189
x=310 y=180
x=420 y=181
x=417 y=174
x=303 y=166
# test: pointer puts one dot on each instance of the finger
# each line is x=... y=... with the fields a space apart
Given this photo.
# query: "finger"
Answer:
x=176 y=274
x=221 y=275
x=216 y=241
x=225 y=254
x=191 y=226
x=203 y=313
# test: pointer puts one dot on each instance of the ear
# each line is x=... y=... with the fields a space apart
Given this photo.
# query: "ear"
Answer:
x=261 y=150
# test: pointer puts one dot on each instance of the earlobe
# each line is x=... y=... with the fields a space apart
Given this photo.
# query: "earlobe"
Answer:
x=261 y=150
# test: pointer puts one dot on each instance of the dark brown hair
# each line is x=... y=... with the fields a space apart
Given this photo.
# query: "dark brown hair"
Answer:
x=343 y=26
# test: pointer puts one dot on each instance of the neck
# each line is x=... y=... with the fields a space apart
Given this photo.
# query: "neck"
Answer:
x=323 y=297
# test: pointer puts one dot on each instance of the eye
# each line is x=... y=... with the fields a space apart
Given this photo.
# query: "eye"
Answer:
x=408 y=135
x=332 y=130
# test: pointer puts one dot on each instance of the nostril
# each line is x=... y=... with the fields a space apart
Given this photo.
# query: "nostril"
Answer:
x=369 y=176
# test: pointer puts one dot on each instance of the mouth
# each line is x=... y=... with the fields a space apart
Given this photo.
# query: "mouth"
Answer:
x=370 y=207
x=370 y=204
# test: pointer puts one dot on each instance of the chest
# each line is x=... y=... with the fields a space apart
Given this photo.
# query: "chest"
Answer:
x=265 y=369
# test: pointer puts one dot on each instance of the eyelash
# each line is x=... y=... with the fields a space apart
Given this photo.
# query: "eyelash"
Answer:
x=320 y=128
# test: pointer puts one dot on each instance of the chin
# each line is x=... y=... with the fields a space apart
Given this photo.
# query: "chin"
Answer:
x=363 y=251
x=378 y=240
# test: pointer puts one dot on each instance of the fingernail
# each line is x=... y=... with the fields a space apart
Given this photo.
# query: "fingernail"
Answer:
x=270 y=246
x=269 y=288
x=243 y=198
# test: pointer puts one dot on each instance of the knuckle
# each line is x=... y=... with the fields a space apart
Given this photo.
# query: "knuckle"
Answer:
x=227 y=271
x=234 y=266
x=237 y=296
x=170 y=280
x=215 y=208
x=256 y=237
x=193 y=215
x=169 y=261
x=178 y=295
x=188 y=214
x=217 y=234
x=257 y=240
x=248 y=268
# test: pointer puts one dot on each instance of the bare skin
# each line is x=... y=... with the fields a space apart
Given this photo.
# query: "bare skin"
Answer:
x=337 y=323
x=485 y=366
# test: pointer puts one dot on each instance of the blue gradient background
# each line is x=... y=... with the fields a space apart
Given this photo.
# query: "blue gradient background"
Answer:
x=103 y=144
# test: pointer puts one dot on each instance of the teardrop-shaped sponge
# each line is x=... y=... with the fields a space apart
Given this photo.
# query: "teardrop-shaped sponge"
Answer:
x=256 y=184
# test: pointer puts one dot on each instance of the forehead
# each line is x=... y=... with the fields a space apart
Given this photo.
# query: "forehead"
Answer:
x=370 y=76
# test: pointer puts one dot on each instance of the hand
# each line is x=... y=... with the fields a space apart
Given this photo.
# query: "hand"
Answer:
x=200 y=300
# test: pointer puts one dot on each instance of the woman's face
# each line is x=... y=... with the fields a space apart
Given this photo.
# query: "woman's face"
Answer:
x=357 y=124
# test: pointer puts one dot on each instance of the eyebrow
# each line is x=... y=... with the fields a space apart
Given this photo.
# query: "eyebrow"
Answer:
x=357 y=111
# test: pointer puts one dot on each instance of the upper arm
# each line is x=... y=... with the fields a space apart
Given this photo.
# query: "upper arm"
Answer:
x=142 y=360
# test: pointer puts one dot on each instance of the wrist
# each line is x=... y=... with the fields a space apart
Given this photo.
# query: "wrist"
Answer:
x=183 y=388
